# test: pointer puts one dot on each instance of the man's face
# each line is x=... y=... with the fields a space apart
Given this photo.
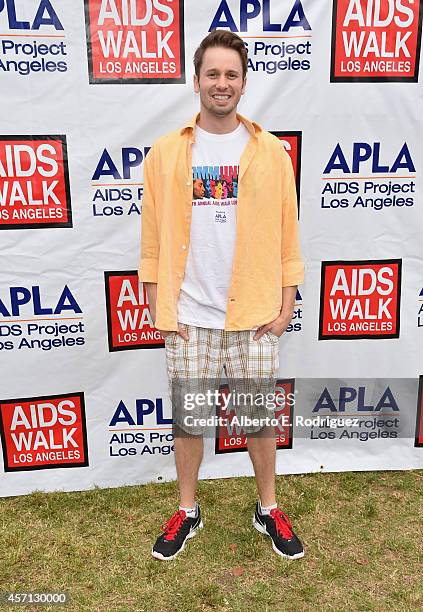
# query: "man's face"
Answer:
x=198 y=189
x=221 y=83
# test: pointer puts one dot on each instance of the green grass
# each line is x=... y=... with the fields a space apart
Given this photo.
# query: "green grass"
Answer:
x=362 y=533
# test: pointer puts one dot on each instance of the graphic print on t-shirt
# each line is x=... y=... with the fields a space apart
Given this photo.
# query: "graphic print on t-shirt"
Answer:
x=215 y=186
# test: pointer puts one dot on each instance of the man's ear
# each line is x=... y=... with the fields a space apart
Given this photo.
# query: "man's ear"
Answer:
x=244 y=85
x=196 y=84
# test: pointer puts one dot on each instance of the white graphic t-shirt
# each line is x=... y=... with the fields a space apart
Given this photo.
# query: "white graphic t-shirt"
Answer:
x=215 y=166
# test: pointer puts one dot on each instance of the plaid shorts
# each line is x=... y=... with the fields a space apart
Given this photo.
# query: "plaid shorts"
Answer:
x=195 y=366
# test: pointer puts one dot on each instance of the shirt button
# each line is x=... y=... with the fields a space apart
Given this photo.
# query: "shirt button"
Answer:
x=184 y=247
x=188 y=183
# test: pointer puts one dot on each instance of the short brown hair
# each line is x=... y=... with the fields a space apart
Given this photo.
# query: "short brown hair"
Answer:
x=221 y=38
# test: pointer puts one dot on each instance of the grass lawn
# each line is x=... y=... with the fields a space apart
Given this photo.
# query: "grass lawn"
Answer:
x=362 y=533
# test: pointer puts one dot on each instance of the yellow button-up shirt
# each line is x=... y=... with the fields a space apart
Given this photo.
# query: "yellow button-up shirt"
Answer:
x=267 y=252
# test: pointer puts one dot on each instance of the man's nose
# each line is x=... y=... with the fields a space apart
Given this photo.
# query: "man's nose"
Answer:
x=222 y=82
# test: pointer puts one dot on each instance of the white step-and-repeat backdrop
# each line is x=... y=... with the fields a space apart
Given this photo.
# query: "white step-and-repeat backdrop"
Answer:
x=86 y=88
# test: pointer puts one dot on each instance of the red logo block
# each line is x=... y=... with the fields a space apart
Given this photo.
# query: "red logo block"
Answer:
x=135 y=41
x=44 y=432
x=34 y=182
x=375 y=40
x=231 y=438
x=360 y=299
x=129 y=321
x=292 y=142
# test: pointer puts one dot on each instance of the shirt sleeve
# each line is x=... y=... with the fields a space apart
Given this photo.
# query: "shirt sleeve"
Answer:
x=150 y=246
x=292 y=262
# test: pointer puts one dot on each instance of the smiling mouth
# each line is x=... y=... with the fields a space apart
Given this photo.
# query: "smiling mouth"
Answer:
x=221 y=97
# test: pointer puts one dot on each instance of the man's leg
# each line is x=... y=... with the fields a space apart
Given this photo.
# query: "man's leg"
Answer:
x=188 y=457
x=262 y=451
x=189 y=361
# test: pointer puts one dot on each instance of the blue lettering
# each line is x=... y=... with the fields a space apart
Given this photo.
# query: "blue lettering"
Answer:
x=228 y=22
x=337 y=161
x=250 y=9
x=50 y=19
x=245 y=14
x=407 y=163
x=45 y=15
x=301 y=22
x=72 y=305
x=122 y=415
x=387 y=401
x=141 y=411
x=361 y=152
x=106 y=167
x=346 y=395
x=129 y=163
x=325 y=402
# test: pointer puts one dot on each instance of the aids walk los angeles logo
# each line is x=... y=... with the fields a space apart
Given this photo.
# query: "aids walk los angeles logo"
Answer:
x=34 y=182
x=116 y=182
x=277 y=34
x=32 y=38
x=360 y=299
x=419 y=420
x=369 y=177
x=129 y=321
x=230 y=435
x=135 y=41
x=292 y=142
x=376 y=40
x=43 y=432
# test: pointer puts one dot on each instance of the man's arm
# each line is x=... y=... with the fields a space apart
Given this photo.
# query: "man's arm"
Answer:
x=292 y=263
x=150 y=245
x=151 y=289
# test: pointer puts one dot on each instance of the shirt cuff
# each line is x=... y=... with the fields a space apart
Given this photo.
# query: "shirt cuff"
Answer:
x=292 y=273
x=148 y=270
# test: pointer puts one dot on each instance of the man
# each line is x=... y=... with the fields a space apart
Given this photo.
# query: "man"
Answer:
x=221 y=281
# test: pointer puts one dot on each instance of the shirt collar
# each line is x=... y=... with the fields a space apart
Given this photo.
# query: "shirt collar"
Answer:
x=252 y=127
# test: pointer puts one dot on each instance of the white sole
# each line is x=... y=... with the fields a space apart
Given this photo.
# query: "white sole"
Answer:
x=262 y=530
x=191 y=534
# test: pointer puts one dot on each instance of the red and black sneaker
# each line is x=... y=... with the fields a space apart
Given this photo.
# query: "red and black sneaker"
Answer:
x=278 y=527
x=178 y=529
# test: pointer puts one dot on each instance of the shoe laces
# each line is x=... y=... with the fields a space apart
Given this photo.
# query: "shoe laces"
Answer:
x=283 y=524
x=173 y=525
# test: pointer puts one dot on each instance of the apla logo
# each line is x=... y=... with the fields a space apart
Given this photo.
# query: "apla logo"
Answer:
x=40 y=326
x=263 y=17
x=230 y=436
x=135 y=42
x=117 y=185
x=143 y=430
x=388 y=181
x=375 y=412
x=28 y=56
x=419 y=420
x=353 y=399
x=43 y=432
x=360 y=299
x=129 y=321
x=292 y=141
x=375 y=40
x=34 y=182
